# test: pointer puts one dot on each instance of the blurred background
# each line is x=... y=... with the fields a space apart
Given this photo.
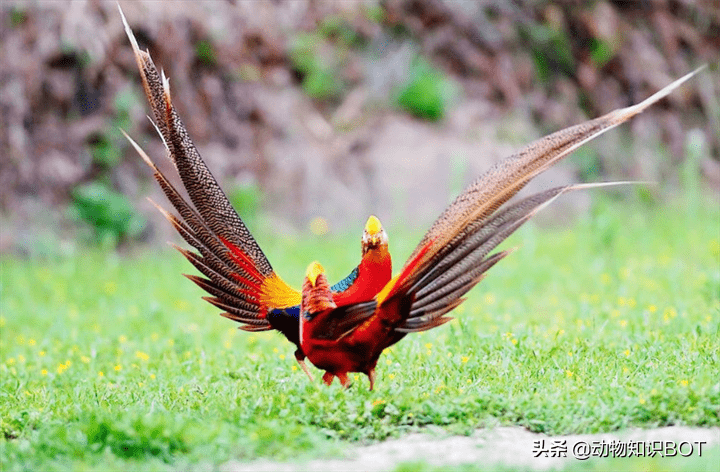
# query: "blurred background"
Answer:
x=314 y=114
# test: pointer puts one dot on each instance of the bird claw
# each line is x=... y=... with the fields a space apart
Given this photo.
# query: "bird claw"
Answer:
x=305 y=369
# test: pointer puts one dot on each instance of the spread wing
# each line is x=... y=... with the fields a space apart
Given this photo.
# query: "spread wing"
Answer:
x=503 y=180
x=235 y=270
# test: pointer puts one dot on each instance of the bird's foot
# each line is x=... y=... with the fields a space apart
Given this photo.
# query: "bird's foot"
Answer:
x=305 y=369
x=344 y=380
x=328 y=378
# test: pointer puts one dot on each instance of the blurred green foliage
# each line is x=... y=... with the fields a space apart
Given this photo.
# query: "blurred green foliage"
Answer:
x=105 y=151
x=600 y=52
x=107 y=147
x=551 y=50
x=321 y=77
x=138 y=436
x=245 y=198
x=339 y=30
x=18 y=16
x=427 y=92
x=375 y=13
x=108 y=212
x=589 y=165
x=205 y=52
x=319 y=56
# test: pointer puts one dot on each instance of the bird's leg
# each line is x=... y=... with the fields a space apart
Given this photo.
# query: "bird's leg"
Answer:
x=371 y=376
x=328 y=378
x=344 y=380
x=300 y=357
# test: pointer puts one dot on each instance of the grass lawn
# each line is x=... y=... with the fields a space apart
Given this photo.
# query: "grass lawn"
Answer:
x=114 y=362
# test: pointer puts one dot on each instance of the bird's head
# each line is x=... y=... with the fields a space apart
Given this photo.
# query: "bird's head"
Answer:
x=316 y=293
x=374 y=236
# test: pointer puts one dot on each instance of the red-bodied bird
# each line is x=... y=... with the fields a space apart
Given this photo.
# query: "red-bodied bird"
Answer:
x=451 y=258
x=236 y=272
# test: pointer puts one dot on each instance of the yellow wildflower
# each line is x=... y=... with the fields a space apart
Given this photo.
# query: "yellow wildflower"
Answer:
x=141 y=355
x=118 y=368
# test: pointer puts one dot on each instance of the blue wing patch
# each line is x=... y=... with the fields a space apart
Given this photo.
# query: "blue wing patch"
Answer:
x=346 y=282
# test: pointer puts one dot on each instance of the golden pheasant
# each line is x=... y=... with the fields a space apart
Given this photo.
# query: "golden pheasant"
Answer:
x=451 y=258
x=236 y=272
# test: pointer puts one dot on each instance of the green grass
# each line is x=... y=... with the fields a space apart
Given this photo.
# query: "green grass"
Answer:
x=108 y=360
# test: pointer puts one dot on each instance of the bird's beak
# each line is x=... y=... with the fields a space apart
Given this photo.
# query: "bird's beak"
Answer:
x=313 y=272
x=373 y=225
x=374 y=234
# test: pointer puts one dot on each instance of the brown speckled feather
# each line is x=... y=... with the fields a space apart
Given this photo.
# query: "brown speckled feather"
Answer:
x=205 y=193
x=487 y=193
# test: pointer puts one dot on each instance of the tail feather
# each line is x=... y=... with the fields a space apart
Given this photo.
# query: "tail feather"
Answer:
x=247 y=327
x=190 y=225
x=438 y=289
x=424 y=326
x=203 y=189
x=236 y=272
x=221 y=282
x=491 y=190
x=241 y=315
x=213 y=289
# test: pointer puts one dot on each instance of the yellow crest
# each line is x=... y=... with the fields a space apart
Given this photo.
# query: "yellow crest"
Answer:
x=373 y=225
x=313 y=271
